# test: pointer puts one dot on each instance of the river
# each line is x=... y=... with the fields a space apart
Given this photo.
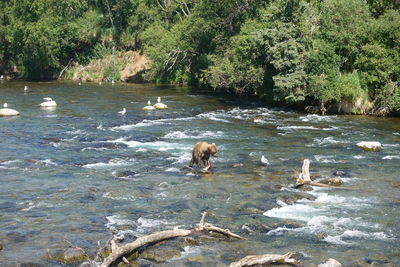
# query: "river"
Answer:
x=75 y=173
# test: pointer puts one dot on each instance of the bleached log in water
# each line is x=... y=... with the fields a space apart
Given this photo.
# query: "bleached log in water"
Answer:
x=266 y=259
x=119 y=251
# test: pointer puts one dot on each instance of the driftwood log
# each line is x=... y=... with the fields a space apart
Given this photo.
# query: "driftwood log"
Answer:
x=118 y=252
x=266 y=259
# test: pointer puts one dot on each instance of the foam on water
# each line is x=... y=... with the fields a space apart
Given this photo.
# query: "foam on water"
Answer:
x=319 y=216
x=46 y=162
x=110 y=163
x=94 y=148
x=172 y=169
x=295 y=127
x=391 y=157
x=213 y=116
x=111 y=195
x=316 y=118
x=193 y=134
x=116 y=220
x=144 y=123
x=156 y=145
x=328 y=141
x=327 y=159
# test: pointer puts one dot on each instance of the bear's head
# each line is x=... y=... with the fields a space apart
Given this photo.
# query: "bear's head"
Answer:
x=213 y=149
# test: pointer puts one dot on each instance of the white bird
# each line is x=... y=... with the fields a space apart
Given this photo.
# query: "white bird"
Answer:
x=5 y=105
x=122 y=112
x=26 y=88
x=149 y=106
x=49 y=102
x=112 y=82
x=264 y=160
x=100 y=83
x=1 y=77
x=160 y=105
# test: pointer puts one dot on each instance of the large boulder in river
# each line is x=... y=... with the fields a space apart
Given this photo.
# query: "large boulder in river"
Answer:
x=8 y=112
x=369 y=145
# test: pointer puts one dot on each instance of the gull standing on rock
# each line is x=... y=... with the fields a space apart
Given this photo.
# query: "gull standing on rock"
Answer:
x=149 y=106
x=5 y=111
x=49 y=102
x=160 y=105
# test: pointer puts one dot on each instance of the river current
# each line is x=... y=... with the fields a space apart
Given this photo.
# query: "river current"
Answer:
x=77 y=172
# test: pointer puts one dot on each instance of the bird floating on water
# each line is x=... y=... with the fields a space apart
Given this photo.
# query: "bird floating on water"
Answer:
x=1 y=77
x=5 y=105
x=49 y=102
x=264 y=160
x=122 y=112
x=149 y=106
x=160 y=105
x=25 y=88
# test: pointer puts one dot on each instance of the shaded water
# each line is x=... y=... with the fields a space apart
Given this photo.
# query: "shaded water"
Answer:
x=82 y=170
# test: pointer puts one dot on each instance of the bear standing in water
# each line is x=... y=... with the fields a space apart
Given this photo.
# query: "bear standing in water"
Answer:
x=201 y=154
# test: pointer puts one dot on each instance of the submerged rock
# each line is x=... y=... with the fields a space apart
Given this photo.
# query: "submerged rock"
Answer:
x=331 y=263
x=370 y=145
x=72 y=255
x=336 y=181
x=160 y=254
x=341 y=174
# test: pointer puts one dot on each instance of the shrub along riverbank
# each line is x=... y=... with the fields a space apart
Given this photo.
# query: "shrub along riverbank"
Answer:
x=339 y=56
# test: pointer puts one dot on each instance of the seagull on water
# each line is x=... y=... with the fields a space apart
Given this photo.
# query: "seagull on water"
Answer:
x=122 y=112
x=5 y=105
x=264 y=160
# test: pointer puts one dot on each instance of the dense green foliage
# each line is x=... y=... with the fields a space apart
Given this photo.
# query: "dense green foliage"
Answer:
x=292 y=52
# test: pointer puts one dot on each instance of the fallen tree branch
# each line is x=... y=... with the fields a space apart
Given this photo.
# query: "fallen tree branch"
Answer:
x=202 y=226
x=119 y=251
x=265 y=259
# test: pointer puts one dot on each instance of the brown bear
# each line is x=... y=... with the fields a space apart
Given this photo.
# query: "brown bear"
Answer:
x=201 y=154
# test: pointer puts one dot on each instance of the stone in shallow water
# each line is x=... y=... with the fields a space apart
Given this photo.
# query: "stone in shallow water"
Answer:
x=8 y=112
x=332 y=181
x=74 y=255
x=160 y=254
x=330 y=263
x=369 y=145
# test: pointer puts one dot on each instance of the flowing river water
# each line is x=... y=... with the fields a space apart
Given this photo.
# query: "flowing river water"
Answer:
x=81 y=171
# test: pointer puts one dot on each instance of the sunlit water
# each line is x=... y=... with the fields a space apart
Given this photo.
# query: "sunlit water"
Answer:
x=75 y=173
